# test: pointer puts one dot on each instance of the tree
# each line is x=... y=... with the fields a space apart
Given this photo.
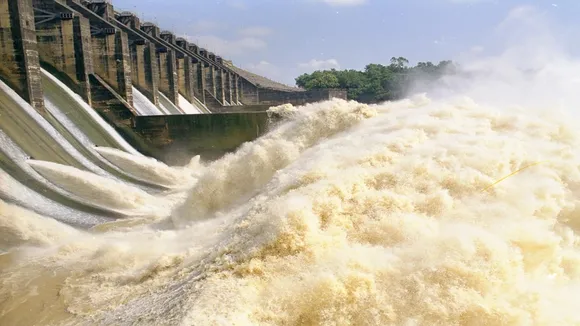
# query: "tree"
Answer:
x=351 y=80
x=318 y=80
x=377 y=82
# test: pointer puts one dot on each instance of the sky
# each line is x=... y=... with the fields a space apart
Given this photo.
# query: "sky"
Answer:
x=282 y=39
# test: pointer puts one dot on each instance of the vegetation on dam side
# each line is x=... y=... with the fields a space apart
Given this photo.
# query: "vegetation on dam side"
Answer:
x=377 y=82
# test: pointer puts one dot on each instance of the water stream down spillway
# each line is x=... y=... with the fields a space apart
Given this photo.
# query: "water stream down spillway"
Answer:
x=434 y=210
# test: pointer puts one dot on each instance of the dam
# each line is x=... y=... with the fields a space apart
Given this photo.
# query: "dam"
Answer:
x=135 y=75
x=145 y=180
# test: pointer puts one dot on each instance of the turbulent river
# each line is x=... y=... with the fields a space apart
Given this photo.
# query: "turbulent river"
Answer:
x=343 y=214
x=457 y=206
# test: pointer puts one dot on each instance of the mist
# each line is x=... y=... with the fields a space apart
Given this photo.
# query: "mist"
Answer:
x=533 y=67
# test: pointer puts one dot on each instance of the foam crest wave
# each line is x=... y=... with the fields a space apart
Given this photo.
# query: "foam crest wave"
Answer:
x=402 y=231
x=236 y=177
x=100 y=191
x=146 y=168
x=394 y=214
x=19 y=226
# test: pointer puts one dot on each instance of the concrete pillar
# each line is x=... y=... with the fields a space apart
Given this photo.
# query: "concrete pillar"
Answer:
x=228 y=88
x=83 y=55
x=64 y=44
x=227 y=80
x=184 y=66
x=130 y=20
x=197 y=71
x=168 y=83
x=111 y=55
x=151 y=29
x=150 y=68
x=220 y=83
x=123 y=58
x=168 y=37
x=189 y=88
x=144 y=68
x=20 y=67
x=193 y=48
x=102 y=8
x=167 y=63
x=187 y=79
x=199 y=77
x=180 y=64
x=209 y=75
x=112 y=61
x=144 y=63
x=236 y=89
x=248 y=92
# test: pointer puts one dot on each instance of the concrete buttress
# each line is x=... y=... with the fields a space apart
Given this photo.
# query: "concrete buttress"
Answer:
x=20 y=68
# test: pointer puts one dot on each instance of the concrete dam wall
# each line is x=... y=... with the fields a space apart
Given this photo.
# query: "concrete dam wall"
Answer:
x=115 y=63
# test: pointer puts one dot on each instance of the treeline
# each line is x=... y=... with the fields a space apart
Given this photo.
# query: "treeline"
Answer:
x=378 y=83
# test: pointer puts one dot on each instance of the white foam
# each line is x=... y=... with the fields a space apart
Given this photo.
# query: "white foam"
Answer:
x=22 y=227
x=149 y=169
x=368 y=214
x=14 y=191
x=145 y=107
x=99 y=191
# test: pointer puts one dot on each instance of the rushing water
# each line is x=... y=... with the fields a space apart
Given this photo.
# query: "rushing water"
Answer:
x=187 y=107
x=345 y=214
x=12 y=190
x=145 y=107
x=457 y=208
x=79 y=117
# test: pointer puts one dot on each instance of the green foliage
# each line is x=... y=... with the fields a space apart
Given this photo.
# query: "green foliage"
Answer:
x=377 y=82
x=318 y=80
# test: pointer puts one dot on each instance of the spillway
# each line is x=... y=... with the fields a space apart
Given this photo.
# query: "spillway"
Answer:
x=144 y=106
x=13 y=191
x=200 y=106
x=187 y=107
x=34 y=135
x=81 y=115
x=167 y=105
x=67 y=115
x=25 y=133
x=13 y=160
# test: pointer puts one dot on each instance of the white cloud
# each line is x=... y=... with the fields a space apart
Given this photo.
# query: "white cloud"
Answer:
x=204 y=26
x=255 y=31
x=228 y=47
x=476 y=49
x=264 y=68
x=524 y=12
x=208 y=35
x=319 y=64
x=238 y=4
x=344 y=3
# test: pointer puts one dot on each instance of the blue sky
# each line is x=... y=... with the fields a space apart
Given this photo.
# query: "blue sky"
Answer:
x=284 y=38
